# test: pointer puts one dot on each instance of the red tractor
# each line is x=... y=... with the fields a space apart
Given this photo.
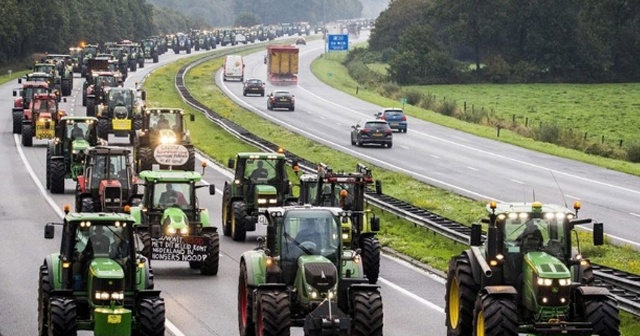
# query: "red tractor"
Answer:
x=22 y=100
x=41 y=118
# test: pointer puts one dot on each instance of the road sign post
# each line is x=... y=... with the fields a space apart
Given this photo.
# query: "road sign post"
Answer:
x=337 y=42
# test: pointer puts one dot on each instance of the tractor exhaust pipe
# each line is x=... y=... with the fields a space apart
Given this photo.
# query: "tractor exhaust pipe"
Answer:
x=481 y=261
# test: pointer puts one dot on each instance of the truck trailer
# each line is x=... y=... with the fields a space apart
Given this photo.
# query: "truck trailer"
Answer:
x=282 y=64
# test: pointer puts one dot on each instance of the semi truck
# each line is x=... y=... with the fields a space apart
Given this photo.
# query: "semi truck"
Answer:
x=282 y=64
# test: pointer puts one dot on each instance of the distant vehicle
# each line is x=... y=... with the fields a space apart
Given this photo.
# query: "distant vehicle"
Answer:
x=233 y=68
x=241 y=39
x=301 y=40
x=281 y=99
x=372 y=132
x=395 y=117
x=282 y=64
x=253 y=85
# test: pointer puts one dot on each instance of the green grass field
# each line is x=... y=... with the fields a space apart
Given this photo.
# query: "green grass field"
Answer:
x=397 y=234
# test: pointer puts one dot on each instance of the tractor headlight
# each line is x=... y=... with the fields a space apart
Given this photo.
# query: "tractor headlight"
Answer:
x=117 y=296
x=262 y=201
x=331 y=294
x=184 y=230
x=313 y=294
x=545 y=282
x=345 y=236
x=167 y=140
x=564 y=282
x=102 y=295
x=171 y=230
x=273 y=201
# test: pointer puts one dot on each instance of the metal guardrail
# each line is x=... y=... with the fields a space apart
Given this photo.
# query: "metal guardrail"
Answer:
x=623 y=285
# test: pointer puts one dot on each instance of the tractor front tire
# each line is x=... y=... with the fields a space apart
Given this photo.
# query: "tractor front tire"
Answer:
x=145 y=236
x=238 y=219
x=56 y=176
x=87 y=205
x=145 y=158
x=273 y=313
x=367 y=319
x=371 y=258
x=27 y=135
x=461 y=292
x=151 y=317
x=44 y=290
x=66 y=87
x=496 y=316
x=17 y=122
x=103 y=129
x=226 y=210
x=62 y=317
x=210 y=264
x=245 y=305
x=91 y=107
x=47 y=179
x=603 y=313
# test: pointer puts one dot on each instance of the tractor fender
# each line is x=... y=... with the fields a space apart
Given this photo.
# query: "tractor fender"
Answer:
x=81 y=185
x=476 y=271
x=136 y=214
x=205 y=218
x=52 y=262
x=593 y=291
x=256 y=267
x=501 y=290
x=26 y=116
x=142 y=275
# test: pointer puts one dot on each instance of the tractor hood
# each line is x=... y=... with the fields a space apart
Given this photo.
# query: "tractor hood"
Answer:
x=80 y=145
x=175 y=218
x=317 y=274
x=105 y=268
x=546 y=266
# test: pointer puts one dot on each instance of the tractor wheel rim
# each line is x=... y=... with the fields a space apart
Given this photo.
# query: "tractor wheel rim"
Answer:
x=243 y=305
x=454 y=304
x=259 y=323
x=480 y=324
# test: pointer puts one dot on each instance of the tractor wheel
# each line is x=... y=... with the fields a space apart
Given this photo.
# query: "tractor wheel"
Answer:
x=84 y=97
x=602 y=312
x=66 y=87
x=145 y=156
x=226 y=210
x=274 y=317
x=151 y=318
x=150 y=282
x=460 y=296
x=210 y=264
x=17 y=122
x=190 y=165
x=133 y=66
x=245 y=307
x=371 y=258
x=47 y=179
x=91 y=107
x=44 y=289
x=141 y=63
x=238 y=218
x=496 y=316
x=27 y=135
x=103 y=129
x=155 y=59
x=367 y=314
x=87 y=205
x=62 y=319
x=146 y=244
x=56 y=176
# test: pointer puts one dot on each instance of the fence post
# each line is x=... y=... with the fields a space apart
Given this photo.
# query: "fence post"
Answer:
x=498 y=131
x=585 y=136
x=465 y=106
x=602 y=141
x=514 y=118
x=526 y=122
x=620 y=145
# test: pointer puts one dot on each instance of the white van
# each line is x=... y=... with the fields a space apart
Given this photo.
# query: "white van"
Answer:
x=233 y=68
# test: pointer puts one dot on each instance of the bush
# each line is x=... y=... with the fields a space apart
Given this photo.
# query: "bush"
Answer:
x=497 y=69
x=548 y=133
x=428 y=102
x=390 y=89
x=413 y=97
x=633 y=152
x=448 y=108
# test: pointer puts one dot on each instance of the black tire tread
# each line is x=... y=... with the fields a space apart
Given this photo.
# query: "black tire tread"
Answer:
x=500 y=315
x=603 y=313
x=239 y=216
x=368 y=313
x=273 y=309
x=371 y=258
x=210 y=265
x=57 y=175
x=27 y=135
x=460 y=269
x=151 y=317
x=62 y=317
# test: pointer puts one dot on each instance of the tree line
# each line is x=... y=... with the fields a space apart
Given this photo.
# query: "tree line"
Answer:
x=443 y=41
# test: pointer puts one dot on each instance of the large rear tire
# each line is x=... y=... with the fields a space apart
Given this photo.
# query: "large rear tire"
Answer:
x=603 y=313
x=91 y=107
x=274 y=316
x=56 y=176
x=47 y=179
x=66 y=87
x=44 y=289
x=103 y=129
x=245 y=306
x=146 y=244
x=17 y=122
x=461 y=292
x=371 y=258
x=27 y=135
x=87 y=205
x=238 y=219
x=367 y=319
x=210 y=265
x=226 y=210
x=62 y=317
x=496 y=316
x=145 y=158
x=151 y=317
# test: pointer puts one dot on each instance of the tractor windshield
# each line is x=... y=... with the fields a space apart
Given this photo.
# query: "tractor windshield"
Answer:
x=310 y=232
x=106 y=81
x=120 y=98
x=78 y=130
x=164 y=121
x=172 y=194
x=264 y=170
x=108 y=241
x=109 y=167
x=546 y=233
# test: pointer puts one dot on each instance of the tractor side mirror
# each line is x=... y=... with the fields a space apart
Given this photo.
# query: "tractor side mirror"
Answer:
x=375 y=224
x=143 y=95
x=64 y=100
x=19 y=80
x=231 y=163
x=15 y=93
x=212 y=189
x=598 y=234
x=192 y=117
x=378 y=187
x=156 y=231
x=476 y=235
x=49 y=231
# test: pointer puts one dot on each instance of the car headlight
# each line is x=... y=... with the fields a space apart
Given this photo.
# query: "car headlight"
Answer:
x=545 y=282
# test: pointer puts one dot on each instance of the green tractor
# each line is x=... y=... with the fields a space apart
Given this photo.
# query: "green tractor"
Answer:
x=528 y=277
x=164 y=140
x=304 y=276
x=107 y=182
x=120 y=113
x=260 y=182
x=97 y=281
x=347 y=191
x=171 y=225
x=150 y=49
x=67 y=151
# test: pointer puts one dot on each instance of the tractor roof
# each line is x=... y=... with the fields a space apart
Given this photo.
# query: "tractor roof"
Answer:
x=35 y=84
x=80 y=118
x=113 y=150
x=260 y=155
x=99 y=217
x=170 y=176
x=282 y=210
x=504 y=208
x=158 y=110
x=38 y=74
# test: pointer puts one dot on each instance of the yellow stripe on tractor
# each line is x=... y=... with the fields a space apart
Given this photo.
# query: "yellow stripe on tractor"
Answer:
x=121 y=124
x=44 y=129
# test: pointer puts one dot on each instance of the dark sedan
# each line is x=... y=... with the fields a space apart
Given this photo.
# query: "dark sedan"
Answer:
x=281 y=99
x=253 y=86
x=372 y=132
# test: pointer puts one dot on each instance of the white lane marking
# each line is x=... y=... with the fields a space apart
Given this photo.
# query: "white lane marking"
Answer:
x=413 y=296
x=571 y=196
x=405 y=147
x=472 y=168
x=435 y=156
x=634 y=214
x=339 y=124
x=516 y=181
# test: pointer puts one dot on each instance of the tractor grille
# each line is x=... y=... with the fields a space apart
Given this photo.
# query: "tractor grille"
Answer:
x=322 y=276
x=112 y=198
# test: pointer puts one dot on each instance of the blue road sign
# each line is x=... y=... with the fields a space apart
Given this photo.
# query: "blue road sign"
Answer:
x=338 y=42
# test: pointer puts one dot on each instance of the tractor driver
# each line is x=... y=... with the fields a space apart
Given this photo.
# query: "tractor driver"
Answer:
x=531 y=237
x=98 y=241
x=77 y=132
x=309 y=232
x=259 y=173
x=171 y=196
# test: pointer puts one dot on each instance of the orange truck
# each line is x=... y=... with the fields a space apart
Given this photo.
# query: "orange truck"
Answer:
x=282 y=64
